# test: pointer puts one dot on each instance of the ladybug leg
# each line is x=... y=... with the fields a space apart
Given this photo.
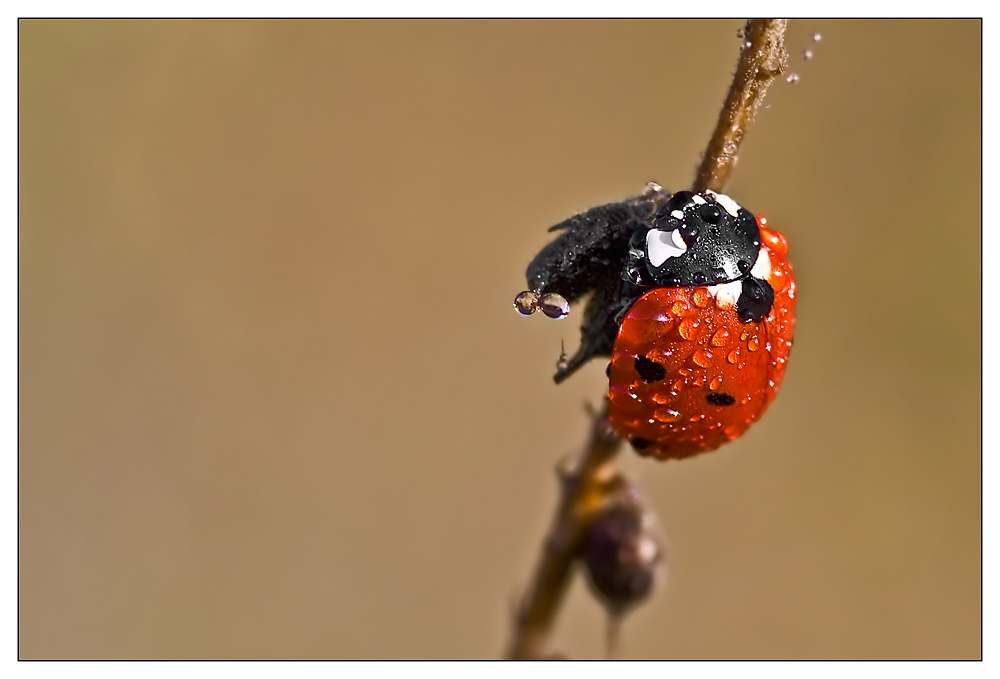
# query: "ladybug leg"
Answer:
x=601 y=322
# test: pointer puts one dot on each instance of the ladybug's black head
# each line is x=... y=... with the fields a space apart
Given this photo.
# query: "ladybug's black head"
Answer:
x=696 y=239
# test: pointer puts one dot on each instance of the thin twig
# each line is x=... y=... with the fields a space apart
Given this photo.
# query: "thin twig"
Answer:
x=585 y=491
x=763 y=58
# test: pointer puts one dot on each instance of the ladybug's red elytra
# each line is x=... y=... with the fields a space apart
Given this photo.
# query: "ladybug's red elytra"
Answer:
x=693 y=300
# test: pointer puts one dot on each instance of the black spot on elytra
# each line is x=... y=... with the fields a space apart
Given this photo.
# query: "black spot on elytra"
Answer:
x=649 y=371
x=756 y=299
x=720 y=399
x=639 y=443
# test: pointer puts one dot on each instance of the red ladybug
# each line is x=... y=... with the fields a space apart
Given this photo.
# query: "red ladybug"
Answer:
x=693 y=300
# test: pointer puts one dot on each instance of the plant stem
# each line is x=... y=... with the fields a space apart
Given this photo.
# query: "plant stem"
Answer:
x=584 y=492
x=762 y=59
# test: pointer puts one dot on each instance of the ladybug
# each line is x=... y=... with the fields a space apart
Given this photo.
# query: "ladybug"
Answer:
x=693 y=301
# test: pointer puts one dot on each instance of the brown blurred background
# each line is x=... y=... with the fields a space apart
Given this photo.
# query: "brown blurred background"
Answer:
x=275 y=403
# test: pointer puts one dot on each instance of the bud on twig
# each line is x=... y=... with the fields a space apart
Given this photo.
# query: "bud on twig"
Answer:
x=621 y=553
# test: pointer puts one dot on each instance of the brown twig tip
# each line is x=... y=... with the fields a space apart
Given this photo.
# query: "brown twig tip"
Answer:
x=762 y=59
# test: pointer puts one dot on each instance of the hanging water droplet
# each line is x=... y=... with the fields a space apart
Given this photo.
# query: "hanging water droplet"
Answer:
x=729 y=147
x=554 y=305
x=734 y=356
x=817 y=37
x=716 y=383
x=563 y=360
x=793 y=78
x=807 y=55
x=526 y=303
x=720 y=337
x=753 y=344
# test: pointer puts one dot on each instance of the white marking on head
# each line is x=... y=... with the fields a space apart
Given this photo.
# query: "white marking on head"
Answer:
x=677 y=214
x=730 y=205
x=662 y=245
x=698 y=200
x=762 y=267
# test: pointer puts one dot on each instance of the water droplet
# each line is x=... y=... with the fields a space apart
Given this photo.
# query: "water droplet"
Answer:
x=793 y=78
x=680 y=308
x=659 y=355
x=720 y=337
x=660 y=398
x=526 y=303
x=702 y=358
x=746 y=399
x=716 y=383
x=817 y=37
x=701 y=297
x=729 y=147
x=744 y=335
x=554 y=305
x=675 y=388
x=688 y=328
x=753 y=344
x=652 y=188
x=734 y=356
x=807 y=55
x=684 y=371
x=695 y=418
x=666 y=415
